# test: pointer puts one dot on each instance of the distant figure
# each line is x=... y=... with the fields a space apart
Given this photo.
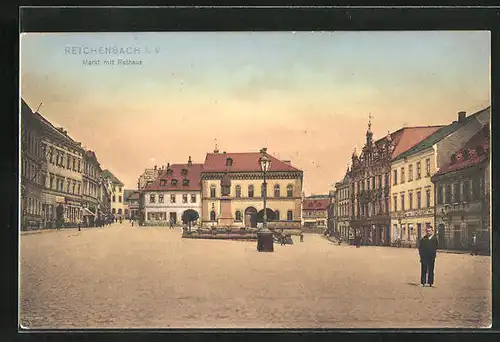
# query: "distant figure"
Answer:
x=301 y=237
x=474 y=245
x=171 y=224
x=120 y=220
x=427 y=251
x=132 y=223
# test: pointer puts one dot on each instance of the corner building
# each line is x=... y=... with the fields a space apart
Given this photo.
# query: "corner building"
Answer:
x=284 y=189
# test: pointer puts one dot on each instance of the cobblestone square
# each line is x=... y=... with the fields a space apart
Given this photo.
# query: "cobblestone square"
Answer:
x=130 y=277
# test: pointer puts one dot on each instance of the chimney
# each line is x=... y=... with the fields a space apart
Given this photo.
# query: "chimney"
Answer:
x=189 y=161
x=155 y=167
x=168 y=165
x=461 y=116
x=289 y=162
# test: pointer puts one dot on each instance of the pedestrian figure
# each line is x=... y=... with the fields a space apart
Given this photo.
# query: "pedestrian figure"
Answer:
x=427 y=251
x=132 y=223
x=171 y=224
x=474 y=244
x=301 y=237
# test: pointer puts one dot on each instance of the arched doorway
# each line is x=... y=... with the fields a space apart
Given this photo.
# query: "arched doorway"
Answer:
x=251 y=217
x=271 y=215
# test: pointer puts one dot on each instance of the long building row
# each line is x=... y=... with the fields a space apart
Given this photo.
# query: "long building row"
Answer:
x=417 y=177
x=166 y=193
x=61 y=183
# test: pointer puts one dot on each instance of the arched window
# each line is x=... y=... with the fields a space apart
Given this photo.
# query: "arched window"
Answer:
x=119 y=211
x=250 y=191
x=238 y=215
x=212 y=215
x=289 y=215
x=212 y=191
x=289 y=190
x=277 y=190
x=238 y=191
x=277 y=213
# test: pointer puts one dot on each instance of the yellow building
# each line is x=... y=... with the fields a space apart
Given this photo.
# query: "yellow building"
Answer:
x=284 y=189
x=117 y=195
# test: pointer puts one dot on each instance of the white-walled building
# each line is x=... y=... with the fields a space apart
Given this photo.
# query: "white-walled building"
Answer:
x=117 y=194
x=175 y=190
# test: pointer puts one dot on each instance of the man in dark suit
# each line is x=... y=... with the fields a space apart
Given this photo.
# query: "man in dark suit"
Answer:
x=427 y=250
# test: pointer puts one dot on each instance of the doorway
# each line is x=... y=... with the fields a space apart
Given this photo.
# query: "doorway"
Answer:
x=251 y=217
x=173 y=218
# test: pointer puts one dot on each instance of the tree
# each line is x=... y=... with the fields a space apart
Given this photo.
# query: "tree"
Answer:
x=190 y=216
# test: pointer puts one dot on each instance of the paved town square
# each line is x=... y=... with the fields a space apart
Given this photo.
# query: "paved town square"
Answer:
x=121 y=276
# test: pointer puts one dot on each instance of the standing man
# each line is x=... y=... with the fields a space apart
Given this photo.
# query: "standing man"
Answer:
x=427 y=251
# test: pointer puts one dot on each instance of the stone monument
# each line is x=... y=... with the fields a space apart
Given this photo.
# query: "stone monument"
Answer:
x=226 y=214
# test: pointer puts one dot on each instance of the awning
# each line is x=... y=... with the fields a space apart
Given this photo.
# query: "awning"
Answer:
x=87 y=212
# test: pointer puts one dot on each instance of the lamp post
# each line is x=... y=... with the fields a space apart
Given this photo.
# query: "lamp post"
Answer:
x=265 y=241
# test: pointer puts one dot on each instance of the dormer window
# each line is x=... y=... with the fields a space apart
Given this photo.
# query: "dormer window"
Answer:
x=184 y=172
x=453 y=158
x=174 y=182
x=465 y=154
x=170 y=172
x=229 y=162
x=185 y=182
x=163 y=182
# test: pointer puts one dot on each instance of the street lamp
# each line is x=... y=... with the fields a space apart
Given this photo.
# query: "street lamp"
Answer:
x=265 y=241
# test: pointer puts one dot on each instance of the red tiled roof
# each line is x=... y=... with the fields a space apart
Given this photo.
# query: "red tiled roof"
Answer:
x=242 y=162
x=315 y=204
x=407 y=137
x=481 y=139
x=193 y=175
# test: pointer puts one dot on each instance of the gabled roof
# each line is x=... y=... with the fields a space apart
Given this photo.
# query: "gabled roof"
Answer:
x=242 y=162
x=482 y=140
x=407 y=137
x=315 y=204
x=164 y=180
x=438 y=136
x=107 y=174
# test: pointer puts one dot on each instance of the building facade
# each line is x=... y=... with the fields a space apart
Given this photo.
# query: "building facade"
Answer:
x=32 y=169
x=105 y=190
x=343 y=212
x=412 y=191
x=462 y=195
x=370 y=182
x=131 y=204
x=117 y=192
x=91 y=188
x=175 y=190
x=149 y=175
x=283 y=191
x=315 y=213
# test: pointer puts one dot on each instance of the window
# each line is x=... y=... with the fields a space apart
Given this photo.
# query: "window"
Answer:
x=237 y=215
x=238 y=191
x=119 y=211
x=402 y=175
x=410 y=200
x=212 y=191
x=51 y=181
x=163 y=182
x=277 y=190
x=113 y=211
x=380 y=181
x=289 y=215
x=428 y=198
x=184 y=172
x=448 y=193
x=277 y=213
x=466 y=190
x=74 y=165
x=395 y=177
x=229 y=162
x=160 y=199
x=373 y=182
x=120 y=189
x=114 y=198
x=74 y=187
x=289 y=190
x=250 y=191
x=172 y=198
x=174 y=182
x=419 y=175
x=428 y=167
x=456 y=193
x=419 y=200
x=402 y=202
x=68 y=185
x=440 y=194
x=79 y=169
x=212 y=215
x=193 y=198
x=410 y=173
x=68 y=162
x=120 y=199
x=152 y=198
x=263 y=190
x=185 y=182
x=184 y=198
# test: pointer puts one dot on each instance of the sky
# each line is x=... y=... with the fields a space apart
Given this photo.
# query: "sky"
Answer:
x=306 y=96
